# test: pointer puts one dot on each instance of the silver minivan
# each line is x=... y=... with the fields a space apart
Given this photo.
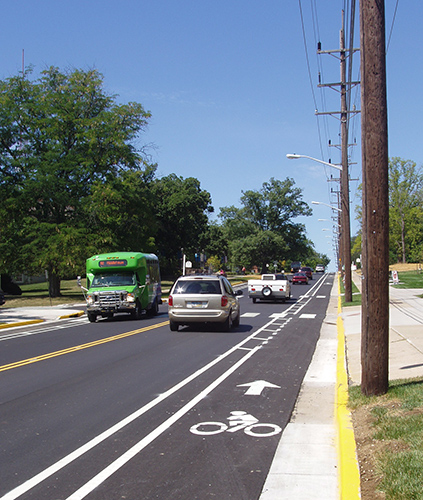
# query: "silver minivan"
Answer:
x=203 y=299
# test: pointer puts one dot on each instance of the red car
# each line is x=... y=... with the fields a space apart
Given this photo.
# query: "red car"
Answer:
x=300 y=278
x=308 y=271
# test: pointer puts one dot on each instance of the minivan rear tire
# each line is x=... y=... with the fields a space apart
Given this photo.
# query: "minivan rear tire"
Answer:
x=173 y=326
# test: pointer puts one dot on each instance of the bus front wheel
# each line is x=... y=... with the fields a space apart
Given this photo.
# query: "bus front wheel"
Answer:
x=92 y=317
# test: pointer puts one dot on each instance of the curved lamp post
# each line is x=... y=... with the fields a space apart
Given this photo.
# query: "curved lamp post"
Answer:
x=345 y=218
x=327 y=205
x=295 y=157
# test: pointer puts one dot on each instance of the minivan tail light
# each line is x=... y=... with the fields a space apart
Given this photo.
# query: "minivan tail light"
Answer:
x=170 y=301
x=224 y=300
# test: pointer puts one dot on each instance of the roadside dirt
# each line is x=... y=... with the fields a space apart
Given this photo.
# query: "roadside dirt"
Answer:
x=367 y=451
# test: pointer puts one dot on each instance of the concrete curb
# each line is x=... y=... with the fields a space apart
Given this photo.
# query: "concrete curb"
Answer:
x=22 y=323
x=349 y=473
x=72 y=315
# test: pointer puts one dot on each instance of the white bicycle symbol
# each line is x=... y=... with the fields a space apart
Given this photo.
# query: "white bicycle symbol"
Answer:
x=237 y=421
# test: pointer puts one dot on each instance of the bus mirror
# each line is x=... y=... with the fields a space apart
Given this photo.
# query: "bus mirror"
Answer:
x=78 y=280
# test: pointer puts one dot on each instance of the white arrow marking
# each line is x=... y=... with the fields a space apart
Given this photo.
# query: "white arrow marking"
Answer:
x=256 y=388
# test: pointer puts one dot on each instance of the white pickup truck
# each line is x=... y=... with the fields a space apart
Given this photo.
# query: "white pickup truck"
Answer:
x=270 y=287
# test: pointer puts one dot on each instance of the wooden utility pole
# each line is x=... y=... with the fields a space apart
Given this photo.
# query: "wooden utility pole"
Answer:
x=345 y=234
x=345 y=185
x=375 y=221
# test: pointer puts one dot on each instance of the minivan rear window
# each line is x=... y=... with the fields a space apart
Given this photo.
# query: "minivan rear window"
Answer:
x=193 y=287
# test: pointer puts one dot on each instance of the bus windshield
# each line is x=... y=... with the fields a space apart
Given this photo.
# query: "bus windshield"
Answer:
x=114 y=279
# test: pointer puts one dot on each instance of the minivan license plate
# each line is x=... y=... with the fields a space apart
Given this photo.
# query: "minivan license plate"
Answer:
x=196 y=304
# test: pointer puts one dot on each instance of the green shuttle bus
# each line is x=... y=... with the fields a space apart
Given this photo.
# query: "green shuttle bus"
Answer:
x=126 y=282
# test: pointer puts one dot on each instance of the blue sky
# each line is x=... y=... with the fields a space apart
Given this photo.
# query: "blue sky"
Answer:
x=231 y=84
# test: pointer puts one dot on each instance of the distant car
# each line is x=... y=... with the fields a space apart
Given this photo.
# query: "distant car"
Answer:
x=308 y=271
x=203 y=299
x=299 y=278
x=295 y=267
x=320 y=268
x=2 y=301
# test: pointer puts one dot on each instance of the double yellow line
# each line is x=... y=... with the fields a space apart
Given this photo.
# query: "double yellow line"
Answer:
x=69 y=350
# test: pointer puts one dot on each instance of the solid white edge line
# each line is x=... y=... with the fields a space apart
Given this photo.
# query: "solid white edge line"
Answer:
x=52 y=469
x=128 y=455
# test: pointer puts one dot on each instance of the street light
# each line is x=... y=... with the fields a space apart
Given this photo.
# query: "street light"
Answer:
x=345 y=216
x=327 y=220
x=339 y=226
x=295 y=157
x=327 y=205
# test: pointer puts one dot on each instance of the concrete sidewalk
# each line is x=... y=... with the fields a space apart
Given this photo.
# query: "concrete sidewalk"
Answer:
x=316 y=457
x=20 y=316
x=405 y=334
x=305 y=466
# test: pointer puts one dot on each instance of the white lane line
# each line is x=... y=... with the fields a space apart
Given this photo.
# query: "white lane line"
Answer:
x=250 y=315
x=303 y=305
x=52 y=469
x=121 y=461
x=307 y=316
x=20 y=334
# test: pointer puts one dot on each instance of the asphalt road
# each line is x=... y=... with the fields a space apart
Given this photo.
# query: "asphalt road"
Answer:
x=124 y=409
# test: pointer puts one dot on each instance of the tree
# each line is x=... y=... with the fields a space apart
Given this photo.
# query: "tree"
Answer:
x=181 y=209
x=405 y=209
x=263 y=230
x=123 y=212
x=259 y=248
x=274 y=207
x=62 y=139
x=356 y=248
x=213 y=242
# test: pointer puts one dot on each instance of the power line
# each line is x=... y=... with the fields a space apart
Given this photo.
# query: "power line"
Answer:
x=392 y=26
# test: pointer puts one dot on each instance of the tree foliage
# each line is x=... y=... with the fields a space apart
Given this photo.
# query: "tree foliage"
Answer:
x=182 y=209
x=264 y=229
x=405 y=210
x=74 y=183
x=61 y=139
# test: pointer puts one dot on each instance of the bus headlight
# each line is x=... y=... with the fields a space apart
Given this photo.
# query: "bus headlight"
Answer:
x=90 y=299
x=130 y=297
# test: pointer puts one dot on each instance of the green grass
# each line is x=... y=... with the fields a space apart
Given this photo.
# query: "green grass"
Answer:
x=410 y=279
x=356 y=298
x=397 y=423
x=36 y=294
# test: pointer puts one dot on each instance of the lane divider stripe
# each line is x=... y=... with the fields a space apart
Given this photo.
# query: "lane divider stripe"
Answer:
x=76 y=348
